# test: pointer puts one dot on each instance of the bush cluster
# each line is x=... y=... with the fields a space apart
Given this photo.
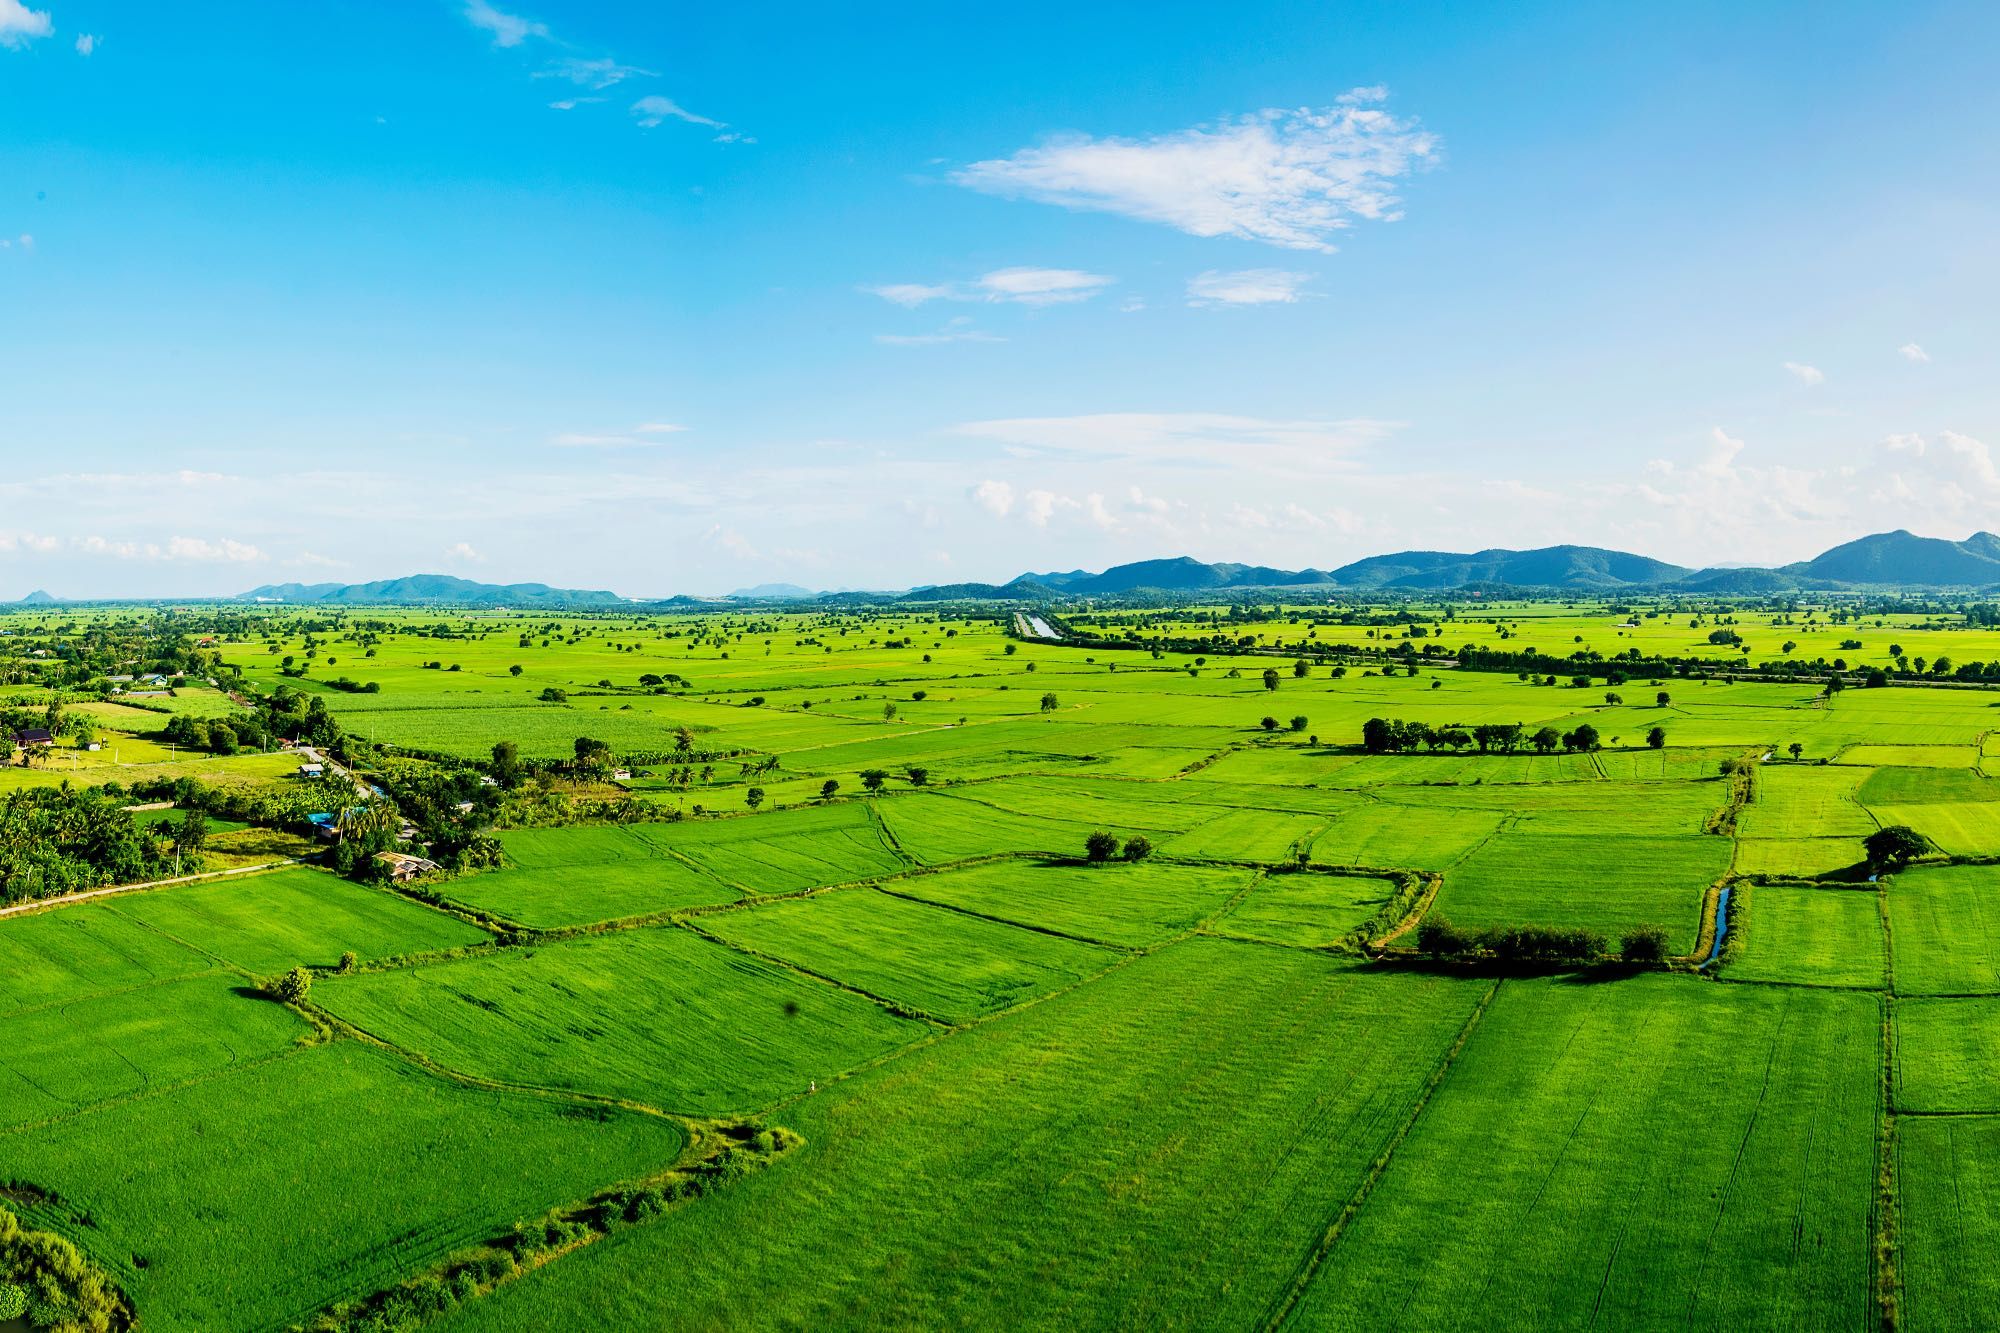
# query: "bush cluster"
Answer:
x=1439 y=938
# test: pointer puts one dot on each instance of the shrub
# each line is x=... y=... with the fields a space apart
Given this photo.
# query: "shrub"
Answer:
x=1138 y=849
x=13 y=1301
x=1644 y=944
x=1436 y=935
x=294 y=986
x=1100 y=846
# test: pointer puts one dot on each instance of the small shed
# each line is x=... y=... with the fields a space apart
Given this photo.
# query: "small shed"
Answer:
x=403 y=866
x=312 y=770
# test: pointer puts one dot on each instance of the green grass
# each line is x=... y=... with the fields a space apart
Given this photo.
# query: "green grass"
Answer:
x=253 y=1198
x=782 y=851
x=1948 y=1221
x=1130 y=905
x=1248 y=835
x=660 y=1016
x=1608 y=884
x=1945 y=930
x=69 y=954
x=546 y=897
x=944 y=963
x=1309 y=910
x=63 y=1057
x=268 y=923
x=1946 y=1047
x=1649 y=1154
x=1826 y=937
x=1158 y=1149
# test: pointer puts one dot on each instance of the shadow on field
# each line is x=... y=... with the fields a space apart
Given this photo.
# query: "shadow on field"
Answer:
x=1570 y=973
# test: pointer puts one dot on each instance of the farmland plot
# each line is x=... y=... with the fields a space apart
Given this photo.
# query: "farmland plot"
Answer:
x=1130 y=905
x=1945 y=930
x=1648 y=1154
x=1829 y=937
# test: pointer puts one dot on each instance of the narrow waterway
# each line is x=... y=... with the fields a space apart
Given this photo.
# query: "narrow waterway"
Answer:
x=1721 y=927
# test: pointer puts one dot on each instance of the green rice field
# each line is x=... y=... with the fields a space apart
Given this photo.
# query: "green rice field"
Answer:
x=810 y=1004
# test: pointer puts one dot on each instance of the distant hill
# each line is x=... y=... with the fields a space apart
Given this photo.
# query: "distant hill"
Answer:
x=790 y=592
x=431 y=588
x=1887 y=560
x=1905 y=559
x=37 y=598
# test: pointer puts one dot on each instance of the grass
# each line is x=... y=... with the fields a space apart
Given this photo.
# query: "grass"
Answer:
x=1945 y=930
x=783 y=851
x=953 y=966
x=1130 y=905
x=1948 y=1220
x=1309 y=910
x=52 y=958
x=1158 y=1149
x=1641 y=1155
x=1823 y=937
x=251 y=1199
x=659 y=1016
x=1946 y=1047
x=267 y=923
x=1608 y=884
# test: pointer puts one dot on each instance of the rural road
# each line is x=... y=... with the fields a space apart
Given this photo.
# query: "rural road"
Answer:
x=313 y=756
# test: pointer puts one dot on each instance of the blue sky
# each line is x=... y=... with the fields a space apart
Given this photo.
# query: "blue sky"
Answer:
x=669 y=298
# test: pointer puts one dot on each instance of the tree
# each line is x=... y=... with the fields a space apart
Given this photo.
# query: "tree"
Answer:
x=349 y=961
x=1269 y=723
x=1795 y=749
x=918 y=775
x=190 y=833
x=506 y=763
x=888 y=712
x=754 y=797
x=1894 y=847
x=1546 y=739
x=829 y=787
x=1657 y=737
x=592 y=756
x=1644 y=944
x=873 y=778
x=1583 y=738
x=1270 y=678
x=1299 y=723
x=1100 y=847
x=1378 y=736
x=294 y=986
x=1138 y=849
x=514 y=670
x=1050 y=703
x=1299 y=669
x=1663 y=698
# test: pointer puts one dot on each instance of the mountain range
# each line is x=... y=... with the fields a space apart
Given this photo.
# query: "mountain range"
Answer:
x=1884 y=560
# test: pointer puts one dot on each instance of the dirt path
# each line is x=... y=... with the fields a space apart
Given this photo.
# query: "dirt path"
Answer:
x=63 y=900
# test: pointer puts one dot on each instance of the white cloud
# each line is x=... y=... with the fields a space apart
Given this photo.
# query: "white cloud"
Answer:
x=1806 y=374
x=1041 y=506
x=507 y=29
x=596 y=75
x=642 y=436
x=1021 y=285
x=1189 y=439
x=1042 y=286
x=1288 y=178
x=462 y=553
x=28 y=541
x=1912 y=352
x=995 y=497
x=1250 y=286
x=656 y=110
x=910 y=295
x=959 y=330
x=87 y=44
x=200 y=549
x=572 y=103
x=20 y=25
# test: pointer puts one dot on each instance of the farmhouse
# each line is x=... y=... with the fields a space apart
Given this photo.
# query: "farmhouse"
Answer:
x=403 y=866
x=34 y=738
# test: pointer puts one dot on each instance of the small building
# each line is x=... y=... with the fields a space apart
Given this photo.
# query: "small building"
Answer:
x=621 y=775
x=312 y=770
x=34 y=738
x=326 y=827
x=403 y=866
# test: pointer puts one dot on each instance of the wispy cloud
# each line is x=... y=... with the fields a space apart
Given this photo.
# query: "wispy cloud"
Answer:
x=595 y=75
x=1912 y=352
x=461 y=553
x=656 y=110
x=1289 y=178
x=1196 y=439
x=1805 y=374
x=20 y=25
x=86 y=44
x=198 y=549
x=1017 y=286
x=572 y=103
x=505 y=29
x=959 y=330
x=638 y=437
x=1250 y=286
